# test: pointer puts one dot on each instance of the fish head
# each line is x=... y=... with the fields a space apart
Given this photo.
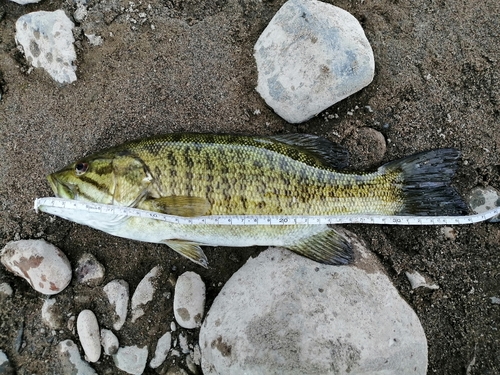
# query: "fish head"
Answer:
x=88 y=179
x=117 y=178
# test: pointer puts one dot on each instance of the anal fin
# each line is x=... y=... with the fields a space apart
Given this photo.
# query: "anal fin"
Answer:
x=328 y=247
x=190 y=250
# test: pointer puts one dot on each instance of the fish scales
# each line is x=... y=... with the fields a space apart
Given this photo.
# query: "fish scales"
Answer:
x=260 y=178
x=209 y=174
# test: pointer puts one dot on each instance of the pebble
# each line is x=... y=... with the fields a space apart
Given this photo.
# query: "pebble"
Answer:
x=495 y=300
x=40 y=263
x=88 y=332
x=46 y=38
x=417 y=280
x=285 y=314
x=484 y=199
x=189 y=300
x=131 y=359
x=109 y=342
x=161 y=351
x=71 y=361
x=24 y=2
x=118 y=297
x=6 y=289
x=367 y=148
x=89 y=271
x=5 y=367
x=311 y=56
x=449 y=232
x=144 y=293
x=51 y=314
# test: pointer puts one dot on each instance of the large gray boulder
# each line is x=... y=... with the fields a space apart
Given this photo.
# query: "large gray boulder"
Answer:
x=309 y=57
x=284 y=314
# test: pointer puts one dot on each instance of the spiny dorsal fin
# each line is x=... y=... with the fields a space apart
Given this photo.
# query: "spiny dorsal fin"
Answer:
x=327 y=153
x=190 y=250
x=177 y=205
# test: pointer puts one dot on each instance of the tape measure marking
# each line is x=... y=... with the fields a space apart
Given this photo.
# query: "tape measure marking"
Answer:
x=106 y=209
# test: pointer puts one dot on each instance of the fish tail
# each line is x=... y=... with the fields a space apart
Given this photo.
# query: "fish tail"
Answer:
x=426 y=183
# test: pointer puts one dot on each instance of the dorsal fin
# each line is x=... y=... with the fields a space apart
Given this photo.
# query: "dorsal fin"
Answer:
x=326 y=152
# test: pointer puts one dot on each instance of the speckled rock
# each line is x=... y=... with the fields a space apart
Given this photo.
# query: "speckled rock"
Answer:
x=71 y=361
x=285 y=314
x=89 y=270
x=483 y=199
x=189 y=300
x=131 y=359
x=144 y=293
x=88 y=333
x=40 y=263
x=118 y=296
x=109 y=342
x=46 y=38
x=310 y=56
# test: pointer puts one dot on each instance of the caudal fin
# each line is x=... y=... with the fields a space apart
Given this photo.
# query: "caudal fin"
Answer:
x=426 y=183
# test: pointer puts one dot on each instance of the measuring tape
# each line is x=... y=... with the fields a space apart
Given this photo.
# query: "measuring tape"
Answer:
x=57 y=206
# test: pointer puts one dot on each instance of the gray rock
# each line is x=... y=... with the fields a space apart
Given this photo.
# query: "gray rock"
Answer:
x=309 y=57
x=52 y=315
x=189 y=300
x=417 y=280
x=6 y=289
x=161 y=351
x=118 y=296
x=89 y=270
x=131 y=359
x=285 y=314
x=109 y=342
x=24 y=2
x=144 y=293
x=71 y=361
x=46 y=38
x=41 y=264
x=5 y=367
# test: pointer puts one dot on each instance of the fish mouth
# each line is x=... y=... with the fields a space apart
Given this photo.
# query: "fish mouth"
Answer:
x=61 y=189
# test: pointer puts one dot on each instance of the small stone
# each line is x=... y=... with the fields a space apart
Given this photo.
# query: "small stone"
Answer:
x=450 y=233
x=161 y=351
x=88 y=332
x=89 y=271
x=24 y=2
x=6 y=289
x=40 y=263
x=5 y=367
x=46 y=38
x=484 y=199
x=94 y=40
x=109 y=342
x=183 y=344
x=71 y=360
x=367 y=148
x=80 y=12
x=189 y=300
x=52 y=314
x=144 y=293
x=495 y=300
x=131 y=359
x=172 y=326
x=311 y=56
x=417 y=280
x=118 y=296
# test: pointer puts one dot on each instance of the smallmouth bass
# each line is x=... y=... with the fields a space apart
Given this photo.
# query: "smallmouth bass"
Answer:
x=192 y=174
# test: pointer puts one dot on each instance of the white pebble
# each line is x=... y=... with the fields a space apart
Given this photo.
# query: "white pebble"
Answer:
x=88 y=332
x=40 y=263
x=109 y=342
x=6 y=289
x=89 y=270
x=131 y=359
x=24 y=2
x=450 y=233
x=495 y=300
x=161 y=351
x=143 y=293
x=417 y=280
x=72 y=363
x=183 y=343
x=172 y=326
x=118 y=296
x=46 y=39
x=189 y=300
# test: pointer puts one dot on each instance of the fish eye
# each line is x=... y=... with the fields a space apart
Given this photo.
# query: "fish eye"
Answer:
x=81 y=168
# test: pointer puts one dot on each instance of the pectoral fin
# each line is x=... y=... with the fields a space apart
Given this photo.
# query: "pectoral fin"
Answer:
x=178 y=205
x=328 y=247
x=190 y=250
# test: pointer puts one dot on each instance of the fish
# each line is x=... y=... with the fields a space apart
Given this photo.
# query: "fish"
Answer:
x=196 y=174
